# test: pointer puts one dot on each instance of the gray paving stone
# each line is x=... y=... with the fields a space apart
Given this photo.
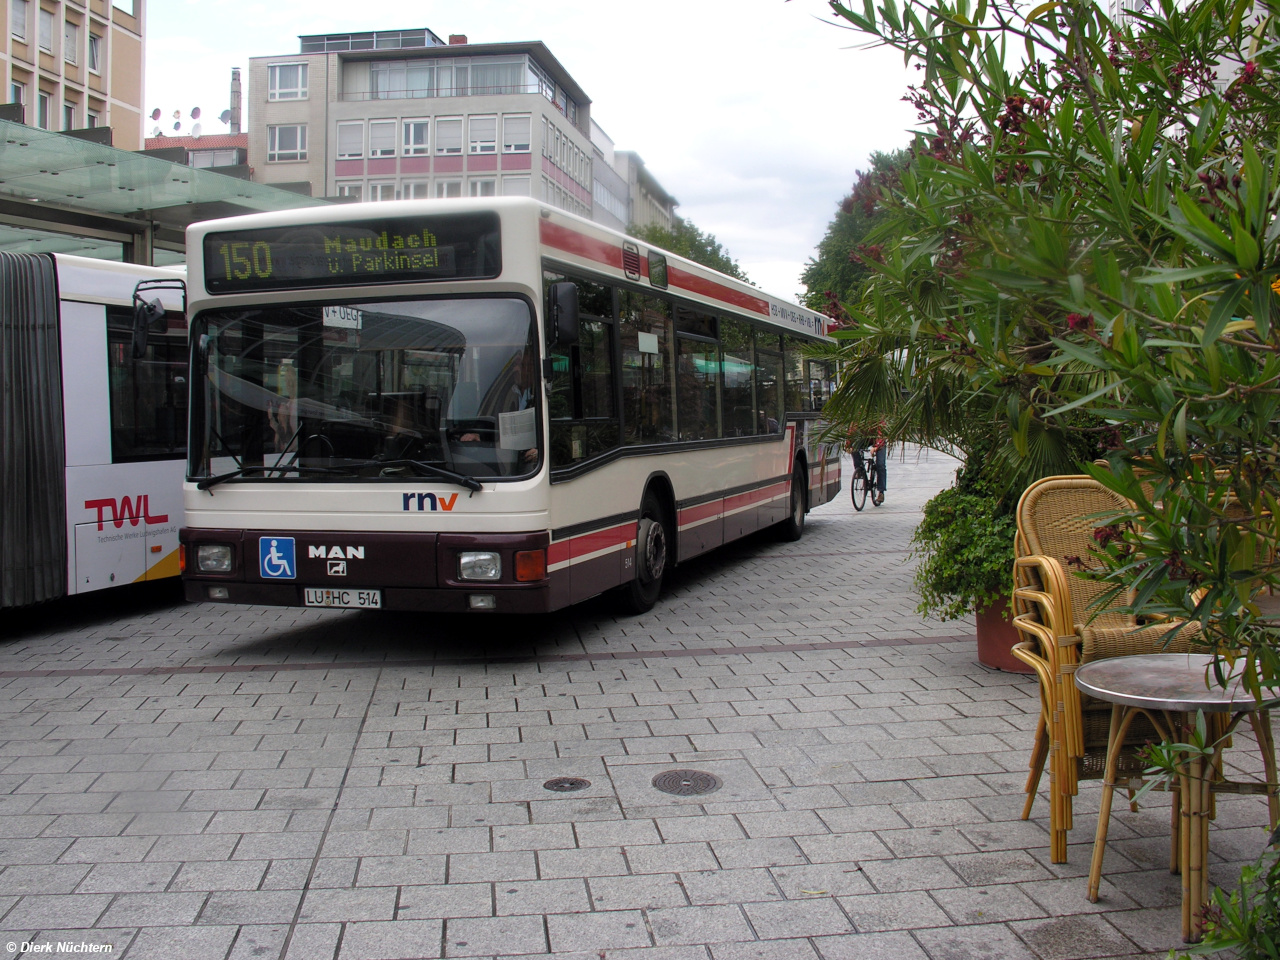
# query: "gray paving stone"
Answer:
x=56 y=911
x=196 y=943
x=861 y=946
x=817 y=916
x=699 y=925
x=600 y=931
x=337 y=906
x=489 y=936
x=991 y=941
x=153 y=910
x=541 y=897
x=642 y=892
x=729 y=886
x=1073 y=938
x=391 y=940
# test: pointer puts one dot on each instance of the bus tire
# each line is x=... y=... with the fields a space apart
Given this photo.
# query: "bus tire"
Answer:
x=653 y=557
x=792 y=528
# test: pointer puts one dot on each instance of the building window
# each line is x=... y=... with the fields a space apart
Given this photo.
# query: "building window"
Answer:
x=46 y=31
x=418 y=190
x=448 y=188
x=449 y=136
x=287 y=81
x=92 y=119
x=353 y=189
x=128 y=6
x=515 y=135
x=17 y=92
x=415 y=137
x=18 y=18
x=515 y=186
x=350 y=140
x=68 y=116
x=382 y=191
x=382 y=138
x=485 y=187
x=287 y=142
x=42 y=111
x=214 y=158
x=95 y=53
x=482 y=134
x=70 y=41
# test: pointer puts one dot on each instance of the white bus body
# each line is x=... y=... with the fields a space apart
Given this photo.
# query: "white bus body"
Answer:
x=94 y=450
x=340 y=356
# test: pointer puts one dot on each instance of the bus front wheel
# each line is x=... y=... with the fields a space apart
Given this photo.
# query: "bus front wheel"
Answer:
x=652 y=558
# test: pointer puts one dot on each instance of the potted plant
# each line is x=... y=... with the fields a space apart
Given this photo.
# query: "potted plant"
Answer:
x=964 y=550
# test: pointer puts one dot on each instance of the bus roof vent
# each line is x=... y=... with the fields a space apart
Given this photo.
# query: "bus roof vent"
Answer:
x=631 y=261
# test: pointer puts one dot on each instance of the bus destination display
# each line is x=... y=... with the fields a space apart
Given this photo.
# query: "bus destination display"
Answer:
x=461 y=246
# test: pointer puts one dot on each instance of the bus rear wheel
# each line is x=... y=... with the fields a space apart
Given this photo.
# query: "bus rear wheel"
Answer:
x=652 y=558
x=792 y=528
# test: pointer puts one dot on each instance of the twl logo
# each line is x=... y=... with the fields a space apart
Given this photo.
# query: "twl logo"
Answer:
x=137 y=510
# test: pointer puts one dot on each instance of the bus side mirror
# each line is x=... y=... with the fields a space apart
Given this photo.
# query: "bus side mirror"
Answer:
x=564 y=314
x=146 y=317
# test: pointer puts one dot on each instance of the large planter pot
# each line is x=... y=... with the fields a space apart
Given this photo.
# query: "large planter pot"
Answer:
x=996 y=637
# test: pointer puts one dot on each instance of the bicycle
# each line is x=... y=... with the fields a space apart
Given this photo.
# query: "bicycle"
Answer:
x=866 y=479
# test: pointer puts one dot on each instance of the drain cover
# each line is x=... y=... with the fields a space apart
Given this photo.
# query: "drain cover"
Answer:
x=686 y=783
x=566 y=784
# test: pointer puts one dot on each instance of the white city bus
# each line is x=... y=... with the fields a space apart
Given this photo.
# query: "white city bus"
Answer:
x=483 y=404
x=94 y=425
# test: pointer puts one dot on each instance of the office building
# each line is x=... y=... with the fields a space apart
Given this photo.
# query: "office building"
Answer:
x=75 y=64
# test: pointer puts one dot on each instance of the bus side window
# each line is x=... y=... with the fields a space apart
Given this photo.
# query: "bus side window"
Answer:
x=737 y=364
x=797 y=396
x=582 y=404
x=148 y=397
x=648 y=385
x=768 y=383
x=821 y=383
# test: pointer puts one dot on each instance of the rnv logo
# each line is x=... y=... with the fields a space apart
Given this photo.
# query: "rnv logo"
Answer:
x=437 y=502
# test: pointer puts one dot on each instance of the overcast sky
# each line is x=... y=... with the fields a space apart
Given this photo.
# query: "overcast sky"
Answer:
x=754 y=114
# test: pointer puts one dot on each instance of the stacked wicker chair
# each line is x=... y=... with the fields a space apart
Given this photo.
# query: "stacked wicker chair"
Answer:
x=1055 y=610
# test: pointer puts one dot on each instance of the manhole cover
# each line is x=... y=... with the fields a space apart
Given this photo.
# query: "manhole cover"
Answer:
x=686 y=783
x=566 y=784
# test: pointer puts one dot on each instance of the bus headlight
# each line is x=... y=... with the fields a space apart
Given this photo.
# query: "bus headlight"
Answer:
x=480 y=565
x=214 y=558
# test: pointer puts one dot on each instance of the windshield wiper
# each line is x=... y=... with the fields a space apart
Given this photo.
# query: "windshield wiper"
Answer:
x=471 y=483
x=208 y=482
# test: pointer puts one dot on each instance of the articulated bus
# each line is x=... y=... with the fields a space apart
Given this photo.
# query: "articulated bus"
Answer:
x=93 y=428
x=479 y=405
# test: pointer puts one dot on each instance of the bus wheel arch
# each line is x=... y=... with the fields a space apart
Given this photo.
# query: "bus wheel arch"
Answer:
x=655 y=547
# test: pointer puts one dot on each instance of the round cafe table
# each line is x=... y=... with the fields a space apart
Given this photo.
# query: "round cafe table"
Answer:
x=1169 y=688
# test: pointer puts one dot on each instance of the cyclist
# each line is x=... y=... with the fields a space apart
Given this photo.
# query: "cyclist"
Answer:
x=857 y=442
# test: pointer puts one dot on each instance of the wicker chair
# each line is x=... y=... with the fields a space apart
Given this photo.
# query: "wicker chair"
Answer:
x=1055 y=611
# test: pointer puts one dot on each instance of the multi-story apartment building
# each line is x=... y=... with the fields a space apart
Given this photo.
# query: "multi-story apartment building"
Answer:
x=74 y=64
x=404 y=115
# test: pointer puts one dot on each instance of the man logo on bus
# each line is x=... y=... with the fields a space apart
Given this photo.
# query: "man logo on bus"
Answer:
x=137 y=510
x=275 y=558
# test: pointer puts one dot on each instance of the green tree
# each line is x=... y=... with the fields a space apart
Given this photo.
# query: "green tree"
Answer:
x=690 y=242
x=834 y=274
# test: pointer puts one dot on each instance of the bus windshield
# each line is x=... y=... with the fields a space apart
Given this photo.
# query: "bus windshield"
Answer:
x=437 y=389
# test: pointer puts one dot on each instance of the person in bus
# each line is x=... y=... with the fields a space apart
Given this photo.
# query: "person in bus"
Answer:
x=520 y=396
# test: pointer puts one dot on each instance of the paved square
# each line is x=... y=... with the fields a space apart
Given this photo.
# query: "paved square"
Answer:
x=225 y=782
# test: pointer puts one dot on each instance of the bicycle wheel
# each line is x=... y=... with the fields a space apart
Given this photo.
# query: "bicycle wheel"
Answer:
x=873 y=485
x=858 y=485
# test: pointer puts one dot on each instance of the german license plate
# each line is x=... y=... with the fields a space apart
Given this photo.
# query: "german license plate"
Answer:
x=324 y=597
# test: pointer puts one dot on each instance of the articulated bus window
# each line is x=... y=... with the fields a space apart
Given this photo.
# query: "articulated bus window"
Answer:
x=648 y=386
x=148 y=397
x=738 y=365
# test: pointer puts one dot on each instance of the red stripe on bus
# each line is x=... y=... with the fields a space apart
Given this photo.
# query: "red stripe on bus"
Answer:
x=700 y=512
x=771 y=492
x=580 y=546
x=716 y=291
x=601 y=251
x=579 y=244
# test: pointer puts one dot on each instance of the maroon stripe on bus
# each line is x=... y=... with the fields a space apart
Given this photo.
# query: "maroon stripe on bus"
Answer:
x=563 y=550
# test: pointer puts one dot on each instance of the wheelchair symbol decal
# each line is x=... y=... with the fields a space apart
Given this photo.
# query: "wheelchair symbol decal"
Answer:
x=275 y=558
